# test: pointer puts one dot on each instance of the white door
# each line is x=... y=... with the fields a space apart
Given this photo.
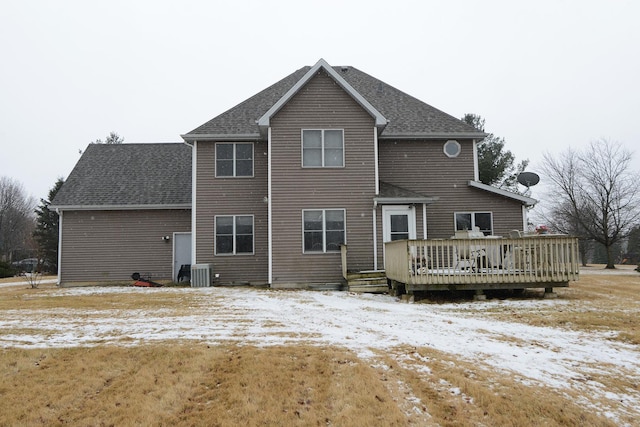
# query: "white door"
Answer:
x=181 y=252
x=399 y=222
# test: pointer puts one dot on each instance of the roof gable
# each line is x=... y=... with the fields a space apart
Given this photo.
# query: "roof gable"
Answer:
x=110 y=176
x=380 y=120
x=397 y=114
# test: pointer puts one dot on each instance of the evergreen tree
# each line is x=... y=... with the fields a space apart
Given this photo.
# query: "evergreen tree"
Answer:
x=46 y=232
x=496 y=166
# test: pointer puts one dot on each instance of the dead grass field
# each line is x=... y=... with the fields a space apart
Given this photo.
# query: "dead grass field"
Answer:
x=193 y=382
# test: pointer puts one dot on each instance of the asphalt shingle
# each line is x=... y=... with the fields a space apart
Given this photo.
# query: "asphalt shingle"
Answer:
x=408 y=116
x=129 y=174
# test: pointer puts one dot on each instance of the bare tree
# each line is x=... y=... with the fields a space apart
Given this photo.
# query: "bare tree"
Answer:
x=112 y=138
x=16 y=218
x=594 y=193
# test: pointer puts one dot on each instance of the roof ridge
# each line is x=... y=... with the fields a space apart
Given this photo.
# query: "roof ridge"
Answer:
x=404 y=115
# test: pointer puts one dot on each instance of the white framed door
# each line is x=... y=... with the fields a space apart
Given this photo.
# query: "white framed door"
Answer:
x=398 y=222
x=181 y=252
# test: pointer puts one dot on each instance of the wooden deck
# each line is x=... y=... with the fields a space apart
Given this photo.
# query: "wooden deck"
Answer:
x=541 y=261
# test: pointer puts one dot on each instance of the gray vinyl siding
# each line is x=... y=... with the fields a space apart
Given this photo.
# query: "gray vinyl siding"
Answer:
x=321 y=104
x=232 y=196
x=100 y=246
x=423 y=167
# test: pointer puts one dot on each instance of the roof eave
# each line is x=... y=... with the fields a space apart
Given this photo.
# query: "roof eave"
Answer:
x=404 y=200
x=434 y=135
x=178 y=206
x=264 y=121
x=192 y=137
x=528 y=201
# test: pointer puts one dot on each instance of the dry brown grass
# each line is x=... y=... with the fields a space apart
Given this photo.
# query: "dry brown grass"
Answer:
x=459 y=393
x=234 y=385
x=597 y=302
x=192 y=383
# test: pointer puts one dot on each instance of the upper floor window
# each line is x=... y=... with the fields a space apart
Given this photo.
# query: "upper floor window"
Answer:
x=234 y=234
x=322 y=148
x=470 y=220
x=324 y=230
x=452 y=148
x=234 y=160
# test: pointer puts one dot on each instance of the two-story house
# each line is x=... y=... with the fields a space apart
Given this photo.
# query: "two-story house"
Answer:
x=327 y=156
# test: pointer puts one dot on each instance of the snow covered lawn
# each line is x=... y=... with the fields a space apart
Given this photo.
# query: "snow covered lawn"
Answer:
x=367 y=324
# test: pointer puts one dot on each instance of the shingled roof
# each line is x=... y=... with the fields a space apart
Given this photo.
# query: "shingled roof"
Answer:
x=407 y=117
x=121 y=176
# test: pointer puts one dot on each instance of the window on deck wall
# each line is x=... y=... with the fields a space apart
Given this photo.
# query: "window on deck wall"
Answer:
x=234 y=235
x=234 y=160
x=470 y=220
x=324 y=230
x=322 y=148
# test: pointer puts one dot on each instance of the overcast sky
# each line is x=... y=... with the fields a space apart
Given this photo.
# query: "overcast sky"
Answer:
x=545 y=75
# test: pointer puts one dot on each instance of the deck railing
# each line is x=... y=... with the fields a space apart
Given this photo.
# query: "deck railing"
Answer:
x=522 y=261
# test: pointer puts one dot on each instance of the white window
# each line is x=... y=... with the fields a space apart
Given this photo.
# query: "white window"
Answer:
x=322 y=148
x=470 y=220
x=234 y=160
x=452 y=148
x=323 y=230
x=234 y=234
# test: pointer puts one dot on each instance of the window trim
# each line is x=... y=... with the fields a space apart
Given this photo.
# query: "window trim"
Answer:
x=322 y=148
x=449 y=143
x=324 y=230
x=473 y=220
x=235 y=159
x=234 y=251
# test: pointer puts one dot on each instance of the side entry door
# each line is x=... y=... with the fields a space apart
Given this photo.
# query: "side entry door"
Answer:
x=398 y=222
x=181 y=252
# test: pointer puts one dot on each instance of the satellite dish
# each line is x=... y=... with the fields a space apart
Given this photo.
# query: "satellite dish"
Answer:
x=528 y=179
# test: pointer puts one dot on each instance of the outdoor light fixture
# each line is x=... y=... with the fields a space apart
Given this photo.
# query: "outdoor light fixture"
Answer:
x=166 y=238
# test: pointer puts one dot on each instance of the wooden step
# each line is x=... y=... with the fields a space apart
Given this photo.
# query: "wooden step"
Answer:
x=370 y=285
x=379 y=274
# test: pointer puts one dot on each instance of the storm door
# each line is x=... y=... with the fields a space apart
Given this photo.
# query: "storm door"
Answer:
x=398 y=222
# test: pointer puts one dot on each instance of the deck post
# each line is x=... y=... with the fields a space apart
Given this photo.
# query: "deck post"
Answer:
x=479 y=295
x=548 y=293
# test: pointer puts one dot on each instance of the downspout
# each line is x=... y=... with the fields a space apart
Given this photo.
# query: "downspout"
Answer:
x=375 y=203
x=375 y=236
x=476 y=172
x=194 y=181
x=269 y=208
x=375 y=154
x=59 y=212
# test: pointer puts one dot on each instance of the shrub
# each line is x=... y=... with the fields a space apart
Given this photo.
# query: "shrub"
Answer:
x=6 y=270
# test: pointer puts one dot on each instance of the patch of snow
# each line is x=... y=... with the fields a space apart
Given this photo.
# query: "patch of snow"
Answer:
x=365 y=323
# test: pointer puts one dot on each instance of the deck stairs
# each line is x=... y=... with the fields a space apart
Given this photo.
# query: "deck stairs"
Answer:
x=374 y=281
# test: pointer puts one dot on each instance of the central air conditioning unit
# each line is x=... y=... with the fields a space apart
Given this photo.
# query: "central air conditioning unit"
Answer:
x=201 y=275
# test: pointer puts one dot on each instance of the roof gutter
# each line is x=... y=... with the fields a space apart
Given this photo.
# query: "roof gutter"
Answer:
x=192 y=137
x=59 y=208
x=434 y=135
x=403 y=200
